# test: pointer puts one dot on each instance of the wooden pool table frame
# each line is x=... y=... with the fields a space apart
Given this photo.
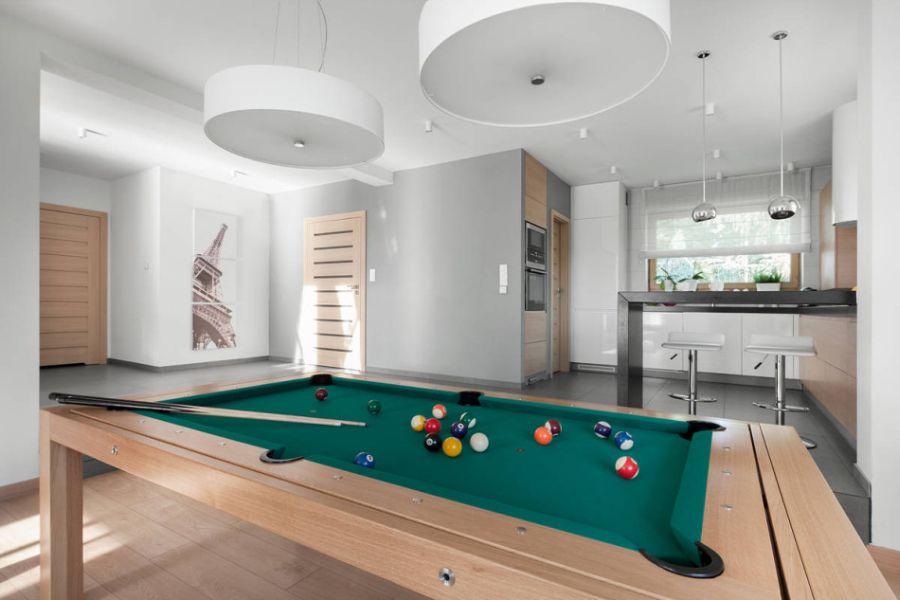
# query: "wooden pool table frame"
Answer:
x=769 y=514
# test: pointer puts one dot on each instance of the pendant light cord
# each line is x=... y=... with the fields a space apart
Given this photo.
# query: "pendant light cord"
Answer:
x=322 y=21
x=323 y=33
x=275 y=36
x=703 y=117
x=781 y=112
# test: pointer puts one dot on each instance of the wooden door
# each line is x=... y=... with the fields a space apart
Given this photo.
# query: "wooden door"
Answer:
x=559 y=294
x=73 y=286
x=333 y=332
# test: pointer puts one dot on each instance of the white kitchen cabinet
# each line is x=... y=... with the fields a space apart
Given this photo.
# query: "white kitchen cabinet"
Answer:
x=597 y=271
x=729 y=359
x=767 y=324
x=657 y=327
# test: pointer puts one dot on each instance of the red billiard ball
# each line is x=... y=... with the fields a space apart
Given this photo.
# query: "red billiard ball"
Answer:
x=554 y=427
x=432 y=426
x=543 y=436
x=439 y=411
x=321 y=394
x=627 y=467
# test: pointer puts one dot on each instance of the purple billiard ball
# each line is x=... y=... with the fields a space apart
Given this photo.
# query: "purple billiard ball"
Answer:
x=602 y=429
x=459 y=430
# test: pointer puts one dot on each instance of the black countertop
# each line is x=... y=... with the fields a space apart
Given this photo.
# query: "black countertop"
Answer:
x=727 y=299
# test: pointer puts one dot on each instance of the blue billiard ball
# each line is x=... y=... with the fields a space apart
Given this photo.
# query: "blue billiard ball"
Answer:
x=364 y=459
x=459 y=429
x=623 y=440
x=602 y=429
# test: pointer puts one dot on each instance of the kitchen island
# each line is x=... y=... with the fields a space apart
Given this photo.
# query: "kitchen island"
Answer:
x=632 y=306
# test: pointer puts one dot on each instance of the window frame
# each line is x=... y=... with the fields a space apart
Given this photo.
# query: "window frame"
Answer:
x=793 y=284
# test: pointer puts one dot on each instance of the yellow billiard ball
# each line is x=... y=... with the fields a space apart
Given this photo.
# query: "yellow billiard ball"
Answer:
x=417 y=423
x=452 y=447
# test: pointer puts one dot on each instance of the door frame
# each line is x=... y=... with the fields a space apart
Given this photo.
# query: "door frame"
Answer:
x=563 y=299
x=364 y=271
x=103 y=350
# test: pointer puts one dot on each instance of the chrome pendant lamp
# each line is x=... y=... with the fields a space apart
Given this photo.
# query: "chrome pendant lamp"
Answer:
x=704 y=211
x=526 y=63
x=782 y=206
x=290 y=116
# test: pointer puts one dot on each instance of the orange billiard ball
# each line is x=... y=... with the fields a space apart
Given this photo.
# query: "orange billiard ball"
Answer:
x=543 y=436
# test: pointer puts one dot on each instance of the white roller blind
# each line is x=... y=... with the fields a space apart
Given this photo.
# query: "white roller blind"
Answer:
x=743 y=225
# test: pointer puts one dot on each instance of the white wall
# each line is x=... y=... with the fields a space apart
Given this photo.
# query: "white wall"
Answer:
x=151 y=242
x=434 y=308
x=78 y=191
x=134 y=237
x=20 y=62
x=180 y=194
x=878 y=407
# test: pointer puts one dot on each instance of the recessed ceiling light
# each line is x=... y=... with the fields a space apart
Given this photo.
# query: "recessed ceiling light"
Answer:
x=582 y=133
x=429 y=126
x=613 y=170
x=299 y=144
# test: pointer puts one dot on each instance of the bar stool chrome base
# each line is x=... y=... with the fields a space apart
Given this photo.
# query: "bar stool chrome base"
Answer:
x=693 y=343
x=780 y=347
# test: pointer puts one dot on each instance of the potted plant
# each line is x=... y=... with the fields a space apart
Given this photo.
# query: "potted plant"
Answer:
x=665 y=281
x=690 y=284
x=768 y=281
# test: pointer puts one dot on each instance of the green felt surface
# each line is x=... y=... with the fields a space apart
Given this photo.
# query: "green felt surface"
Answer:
x=570 y=484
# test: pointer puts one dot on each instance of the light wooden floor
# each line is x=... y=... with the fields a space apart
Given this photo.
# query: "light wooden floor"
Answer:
x=145 y=543
x=889 y=563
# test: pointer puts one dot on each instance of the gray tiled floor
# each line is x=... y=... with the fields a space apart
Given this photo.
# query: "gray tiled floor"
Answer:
x=734 y=402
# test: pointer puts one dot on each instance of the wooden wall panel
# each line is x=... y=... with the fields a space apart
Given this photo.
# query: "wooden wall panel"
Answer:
x=845 y=256
x=535 y=357
x=535 y=326
x=830 y=376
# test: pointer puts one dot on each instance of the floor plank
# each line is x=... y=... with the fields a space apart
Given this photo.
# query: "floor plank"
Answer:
x=889 y=563
x=146 y=543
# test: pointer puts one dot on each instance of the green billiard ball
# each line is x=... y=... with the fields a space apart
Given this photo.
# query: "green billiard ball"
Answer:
x=469 y=419
x=374 y=407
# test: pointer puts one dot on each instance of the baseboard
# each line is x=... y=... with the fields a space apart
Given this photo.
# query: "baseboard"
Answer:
x=19 y=489
x=590 y=368
x=846 y=441
x=438 y=378
x=862 y=479
x=185 y=367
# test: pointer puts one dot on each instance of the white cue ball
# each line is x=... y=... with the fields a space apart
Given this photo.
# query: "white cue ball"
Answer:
x=479 y=442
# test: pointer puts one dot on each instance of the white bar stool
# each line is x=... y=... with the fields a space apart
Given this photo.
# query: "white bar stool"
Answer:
x=693 y=342
x=781 y=346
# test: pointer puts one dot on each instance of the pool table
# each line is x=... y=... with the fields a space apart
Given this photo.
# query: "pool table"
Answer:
x=709 y=514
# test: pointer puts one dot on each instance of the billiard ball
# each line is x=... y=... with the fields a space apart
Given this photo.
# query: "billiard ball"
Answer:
x=417 y=423
x=432 y=426
x=433 y=442
x=364 y=459
x=627 y=467
x=554 y=427
x=321 y=394
x=374 y=407
x=543 y=436
x=469 y=419
x=479 y=442
x=459 y=430
x=602 y=429
x=438 y=411
x=452 y=447
x=623 y=440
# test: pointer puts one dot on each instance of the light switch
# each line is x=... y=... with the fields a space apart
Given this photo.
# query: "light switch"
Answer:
x=504 y=277
x=371 y=274
x=503 y=289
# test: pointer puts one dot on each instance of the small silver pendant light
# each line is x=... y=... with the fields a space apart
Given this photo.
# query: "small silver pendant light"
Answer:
x=704 y=211
x=782 y=206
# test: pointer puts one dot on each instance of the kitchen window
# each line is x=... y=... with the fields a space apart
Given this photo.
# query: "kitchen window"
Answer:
x=735 y=270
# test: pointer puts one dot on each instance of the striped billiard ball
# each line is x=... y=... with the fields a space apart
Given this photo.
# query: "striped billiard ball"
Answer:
x=438 y=411
x=627 y=467
x=554 y=427
x=602 y=429
x=623 y=440
x=417 y=423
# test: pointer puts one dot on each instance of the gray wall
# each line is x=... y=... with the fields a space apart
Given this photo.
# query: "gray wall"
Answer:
x=559 y=195
x=435 y=238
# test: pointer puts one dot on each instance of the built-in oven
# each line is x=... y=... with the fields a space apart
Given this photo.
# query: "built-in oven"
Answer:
x=535 y=290
x=535 y=247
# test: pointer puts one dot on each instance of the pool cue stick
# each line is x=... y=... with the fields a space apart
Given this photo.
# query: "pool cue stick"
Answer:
x=188 y=409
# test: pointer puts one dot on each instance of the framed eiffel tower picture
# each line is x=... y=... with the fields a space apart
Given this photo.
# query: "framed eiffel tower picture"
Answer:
x=214 y=280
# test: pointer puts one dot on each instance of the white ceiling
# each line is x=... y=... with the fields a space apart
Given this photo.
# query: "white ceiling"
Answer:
x=374 y=44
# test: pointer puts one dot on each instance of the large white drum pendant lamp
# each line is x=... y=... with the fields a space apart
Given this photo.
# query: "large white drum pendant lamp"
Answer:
x=292 y=117
x=522 y=63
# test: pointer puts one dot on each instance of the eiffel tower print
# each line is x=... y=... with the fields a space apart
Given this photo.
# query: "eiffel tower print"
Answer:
x=212 y=318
